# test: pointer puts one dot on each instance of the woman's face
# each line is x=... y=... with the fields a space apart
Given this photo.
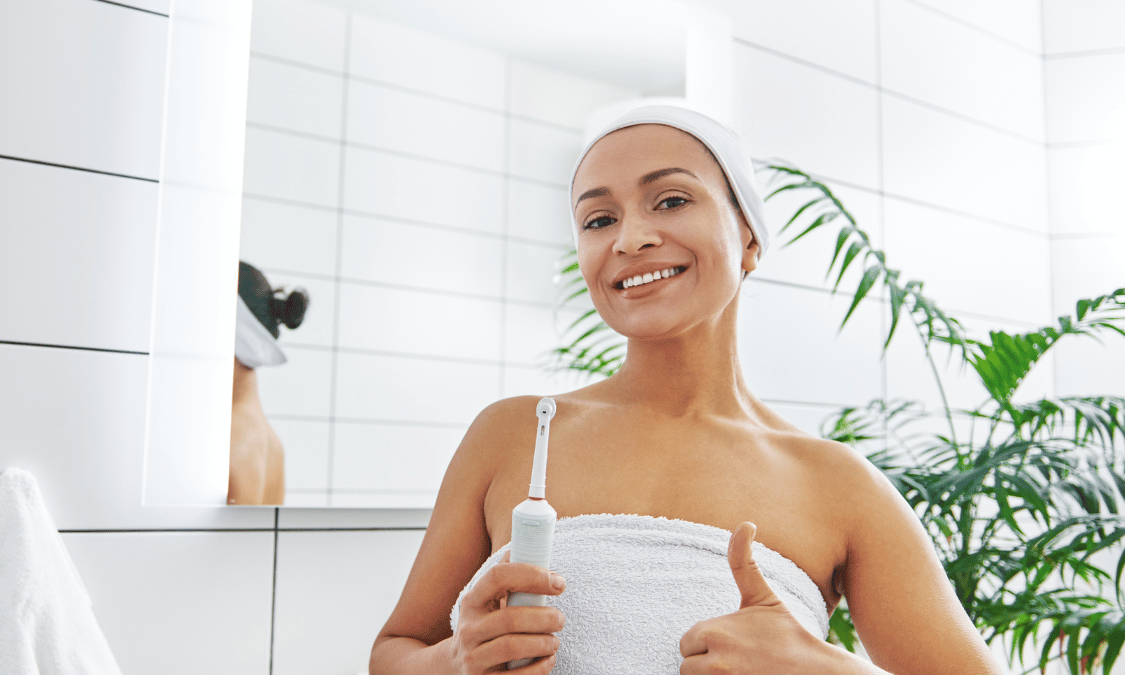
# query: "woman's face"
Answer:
x=652 y=204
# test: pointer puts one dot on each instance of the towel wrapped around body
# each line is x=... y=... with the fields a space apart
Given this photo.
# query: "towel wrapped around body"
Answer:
x=636 y=584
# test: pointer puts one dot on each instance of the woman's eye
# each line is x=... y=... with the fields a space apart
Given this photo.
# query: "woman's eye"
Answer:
x=672 y=202
x=599 y=222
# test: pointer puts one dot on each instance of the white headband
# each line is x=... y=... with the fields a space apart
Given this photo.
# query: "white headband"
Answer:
x=254 y=345
x=722 y=143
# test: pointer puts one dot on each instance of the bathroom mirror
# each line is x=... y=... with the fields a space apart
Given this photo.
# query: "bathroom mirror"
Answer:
x=406 y=164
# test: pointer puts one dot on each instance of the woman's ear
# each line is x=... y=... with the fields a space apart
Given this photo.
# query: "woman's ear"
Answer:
x=750 y=249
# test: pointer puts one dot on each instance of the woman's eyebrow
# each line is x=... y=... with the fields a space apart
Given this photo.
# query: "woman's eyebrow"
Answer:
x=645 y=180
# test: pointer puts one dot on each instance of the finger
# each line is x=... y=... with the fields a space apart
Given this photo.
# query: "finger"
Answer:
x=538 y=667
x=692 y=643
x=515 y=646
x=530 y=620
x=501 y=580
x=751 y=584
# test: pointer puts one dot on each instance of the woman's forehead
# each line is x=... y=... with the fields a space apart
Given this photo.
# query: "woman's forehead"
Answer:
x=639 y=150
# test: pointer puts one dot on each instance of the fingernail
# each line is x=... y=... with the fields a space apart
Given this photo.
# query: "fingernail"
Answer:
x=557 y=581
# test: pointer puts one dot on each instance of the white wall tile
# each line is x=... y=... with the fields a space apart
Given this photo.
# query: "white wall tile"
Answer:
x=83 y=85
x=289 y=167
x=301 y=386
x=530 y=333
x=910 y=376
x=76 y=421
x=335 y=590
x=791 y=348
x=162 y=6
x=353 y=518
x=1085 y=187
x=398 y=55
x=155 y=593
x=938 y=159
x=833 y=34
x=298 y=30
x=1086 y=368
x=970 y=265
x=540 y=212
x=1083 y=25
x=305 y=499
x=823 y=123
x=418 y=322
x=306 y=454
x=805 y=262
x=416 y=255
x=807 y=418
x=1086 y=98
x=536 y=381
x=542 y=152
x=551 y=95
x=1014 y=20
x=78 y=247
x=318 y=326
x=398 y=187
x=413 y=389
x=405 y=463
x=943 y=62
x=531 y=272
x=294 y=98
x=288 y=237
x=392 y=119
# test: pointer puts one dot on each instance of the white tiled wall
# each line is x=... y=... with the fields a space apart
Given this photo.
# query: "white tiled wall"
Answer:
x=927 y=117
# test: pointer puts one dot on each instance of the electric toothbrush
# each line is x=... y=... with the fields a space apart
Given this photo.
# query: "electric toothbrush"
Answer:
x=533 y=521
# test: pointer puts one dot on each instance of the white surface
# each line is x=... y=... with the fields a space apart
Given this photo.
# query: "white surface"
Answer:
x=294 y=98
x=531 y=332
x=969 y=265
x=822 y=123
x=1014 y=20
x=294 y=168
x=550 y=95
x=1086 y=98
x=542 y=152
x=98 y=233
x=424 y=61
x=288 y=237
x=180 y=603
x=531 y=271
x=838 y=35
x=306 y=32
x=538 y=211
x=302 y=386
x=418 y=322
x=944 y=161
x=306 y=453
x=401 y=461
x=405 y=254
x=1085 y=184
x=335 y=592
x=161 y=6
x=370 y=387
x=788 y=340
x=83 y=85
x=388 y=185
x=1083 y=25
x=945 y=63
x=391 y=119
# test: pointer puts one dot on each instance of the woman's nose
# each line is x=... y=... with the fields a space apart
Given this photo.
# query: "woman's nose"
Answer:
x=635 y=233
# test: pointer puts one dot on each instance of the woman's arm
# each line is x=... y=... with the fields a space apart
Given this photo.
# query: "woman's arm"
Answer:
x=417 y=637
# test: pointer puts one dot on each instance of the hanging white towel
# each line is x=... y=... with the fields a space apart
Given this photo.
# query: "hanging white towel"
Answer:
x=47 y=626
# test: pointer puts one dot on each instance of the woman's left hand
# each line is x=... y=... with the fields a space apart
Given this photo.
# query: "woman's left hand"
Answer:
x=761 y=637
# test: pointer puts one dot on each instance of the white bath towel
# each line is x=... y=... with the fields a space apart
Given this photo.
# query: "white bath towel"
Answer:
x=47 y=626
x=636 y=584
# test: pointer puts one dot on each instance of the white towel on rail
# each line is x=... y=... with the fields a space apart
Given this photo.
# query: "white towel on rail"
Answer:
x=47 y=626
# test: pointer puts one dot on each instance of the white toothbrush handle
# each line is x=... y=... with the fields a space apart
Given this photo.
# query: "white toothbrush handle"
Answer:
x=533 y=532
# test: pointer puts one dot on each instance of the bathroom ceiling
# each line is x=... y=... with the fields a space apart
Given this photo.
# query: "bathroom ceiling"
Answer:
x=636 y=43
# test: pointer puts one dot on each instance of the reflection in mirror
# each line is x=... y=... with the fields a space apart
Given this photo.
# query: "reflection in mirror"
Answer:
x=408 y=166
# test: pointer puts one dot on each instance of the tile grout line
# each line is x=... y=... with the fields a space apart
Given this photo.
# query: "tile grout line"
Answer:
x=83 y=169
x=273 y=585
x=136 y=9
x=105 y=350
x=880 y=172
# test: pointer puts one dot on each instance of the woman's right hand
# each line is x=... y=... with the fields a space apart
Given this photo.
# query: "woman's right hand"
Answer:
x=490 y=634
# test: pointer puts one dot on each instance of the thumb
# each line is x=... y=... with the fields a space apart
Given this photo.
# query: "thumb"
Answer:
x=751 y=584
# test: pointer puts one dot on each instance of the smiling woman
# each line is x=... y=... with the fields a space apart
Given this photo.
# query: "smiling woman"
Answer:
x=672 y=465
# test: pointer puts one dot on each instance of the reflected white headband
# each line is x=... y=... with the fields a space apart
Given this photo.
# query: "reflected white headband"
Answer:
x=722 y=143
x=254 y=345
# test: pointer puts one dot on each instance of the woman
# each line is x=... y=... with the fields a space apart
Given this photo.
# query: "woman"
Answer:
x=668 y=226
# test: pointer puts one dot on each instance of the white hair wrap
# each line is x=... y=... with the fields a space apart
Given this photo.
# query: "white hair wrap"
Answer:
x=254 y=346
x=722 y=143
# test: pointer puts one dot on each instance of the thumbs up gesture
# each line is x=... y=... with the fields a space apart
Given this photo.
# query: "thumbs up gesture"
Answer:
x=761 y=637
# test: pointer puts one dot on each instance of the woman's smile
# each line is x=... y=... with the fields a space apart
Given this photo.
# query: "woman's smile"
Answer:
x=643 y=280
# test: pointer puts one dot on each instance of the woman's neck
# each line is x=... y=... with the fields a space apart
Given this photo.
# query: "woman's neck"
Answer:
x=245 y=384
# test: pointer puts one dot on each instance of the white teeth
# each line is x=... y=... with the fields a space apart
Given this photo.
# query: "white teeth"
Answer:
x=649 y=277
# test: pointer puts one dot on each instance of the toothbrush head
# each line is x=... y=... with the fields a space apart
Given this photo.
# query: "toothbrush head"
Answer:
x=546 y=409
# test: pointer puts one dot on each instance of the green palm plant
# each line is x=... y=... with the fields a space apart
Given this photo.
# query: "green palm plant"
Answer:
x=1022 y=499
